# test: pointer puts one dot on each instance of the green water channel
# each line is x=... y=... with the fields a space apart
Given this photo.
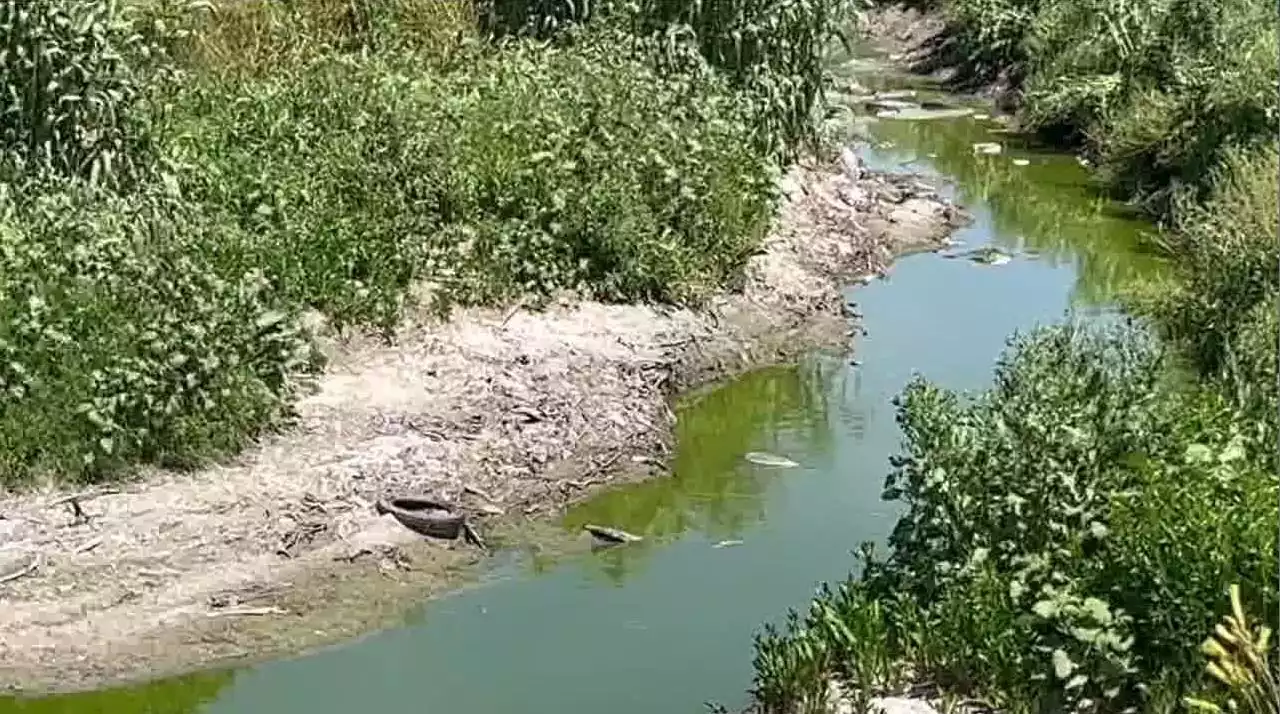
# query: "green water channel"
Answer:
x=664 y=625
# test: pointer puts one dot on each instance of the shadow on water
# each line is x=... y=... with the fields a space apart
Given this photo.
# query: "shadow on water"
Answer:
x=666 y=623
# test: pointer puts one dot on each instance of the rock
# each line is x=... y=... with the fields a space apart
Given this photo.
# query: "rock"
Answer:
x=851 y=196
x=790 y=187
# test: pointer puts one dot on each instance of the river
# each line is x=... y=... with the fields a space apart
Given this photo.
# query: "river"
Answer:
x=664 y=625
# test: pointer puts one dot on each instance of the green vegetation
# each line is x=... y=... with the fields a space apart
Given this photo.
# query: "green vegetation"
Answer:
x=180 y=182
x=1070 y=536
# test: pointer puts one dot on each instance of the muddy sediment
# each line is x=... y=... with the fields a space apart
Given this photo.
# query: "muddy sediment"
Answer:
x=511 y=414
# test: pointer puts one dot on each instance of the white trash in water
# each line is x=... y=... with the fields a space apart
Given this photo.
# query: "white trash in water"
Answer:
x=760 y=458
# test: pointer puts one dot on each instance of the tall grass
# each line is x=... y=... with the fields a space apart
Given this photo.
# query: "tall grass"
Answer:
x=771 y=51
x=73 y=74
x=179 y=180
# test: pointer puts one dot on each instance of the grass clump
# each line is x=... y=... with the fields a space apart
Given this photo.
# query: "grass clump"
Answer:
x=1066 y=540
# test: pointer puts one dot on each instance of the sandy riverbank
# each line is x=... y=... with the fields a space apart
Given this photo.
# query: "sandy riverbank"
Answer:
x=509 y=413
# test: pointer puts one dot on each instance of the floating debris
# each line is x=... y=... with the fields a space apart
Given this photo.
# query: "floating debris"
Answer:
x=990 y=148
x=727 y=544
x=923 y=113
x=760 y=458
x=986 y=255
x=611 y=536
x=981 y=116
x=896 y=94
x=1020 y=162
x=892 y=104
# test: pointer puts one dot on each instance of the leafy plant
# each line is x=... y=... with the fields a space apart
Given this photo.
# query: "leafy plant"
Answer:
x=120 y=342
x=1064 y=536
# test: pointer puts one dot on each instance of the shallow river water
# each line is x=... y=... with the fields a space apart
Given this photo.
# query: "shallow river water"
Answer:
x=662 y=626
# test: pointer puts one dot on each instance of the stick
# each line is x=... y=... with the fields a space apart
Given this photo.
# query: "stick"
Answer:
x=86 y=547
x=246 y=611
x=29 y=569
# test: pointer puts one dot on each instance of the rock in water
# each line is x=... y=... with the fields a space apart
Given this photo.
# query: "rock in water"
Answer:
x=760 y=458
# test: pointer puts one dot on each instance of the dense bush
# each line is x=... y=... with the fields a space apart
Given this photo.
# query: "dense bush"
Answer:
x=160 y=236
x=771 y=51
x=532 y=170
x=1067 y=540
x=120 y=341
x=1222 y=309
x=1160 y=92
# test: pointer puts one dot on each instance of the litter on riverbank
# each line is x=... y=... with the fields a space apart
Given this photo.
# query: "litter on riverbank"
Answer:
x=510 y=414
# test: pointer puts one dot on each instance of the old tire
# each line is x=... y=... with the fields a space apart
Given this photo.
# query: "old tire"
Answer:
x=424 y=516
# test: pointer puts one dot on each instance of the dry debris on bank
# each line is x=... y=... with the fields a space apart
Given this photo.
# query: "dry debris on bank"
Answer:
x=502 y=412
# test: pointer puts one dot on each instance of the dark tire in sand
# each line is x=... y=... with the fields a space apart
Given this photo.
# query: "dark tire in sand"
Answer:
x=424 y=516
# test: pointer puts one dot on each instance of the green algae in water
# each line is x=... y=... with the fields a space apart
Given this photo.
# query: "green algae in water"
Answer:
x=711 y=488
x=1048 y=206
x=180 y=695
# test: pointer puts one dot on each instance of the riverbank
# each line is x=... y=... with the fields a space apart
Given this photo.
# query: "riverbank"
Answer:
x=1071 y=536
x=498 y=410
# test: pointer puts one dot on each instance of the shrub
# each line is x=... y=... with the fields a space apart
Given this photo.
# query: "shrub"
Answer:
x=120 y=342
x=1222 y=309
x=533 y=170
x=1161 y=92
x=1067 y=535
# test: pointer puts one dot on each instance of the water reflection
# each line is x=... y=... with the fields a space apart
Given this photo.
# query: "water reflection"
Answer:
x=712 y=489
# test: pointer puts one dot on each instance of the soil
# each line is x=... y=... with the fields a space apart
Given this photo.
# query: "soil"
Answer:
x=510 y=414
